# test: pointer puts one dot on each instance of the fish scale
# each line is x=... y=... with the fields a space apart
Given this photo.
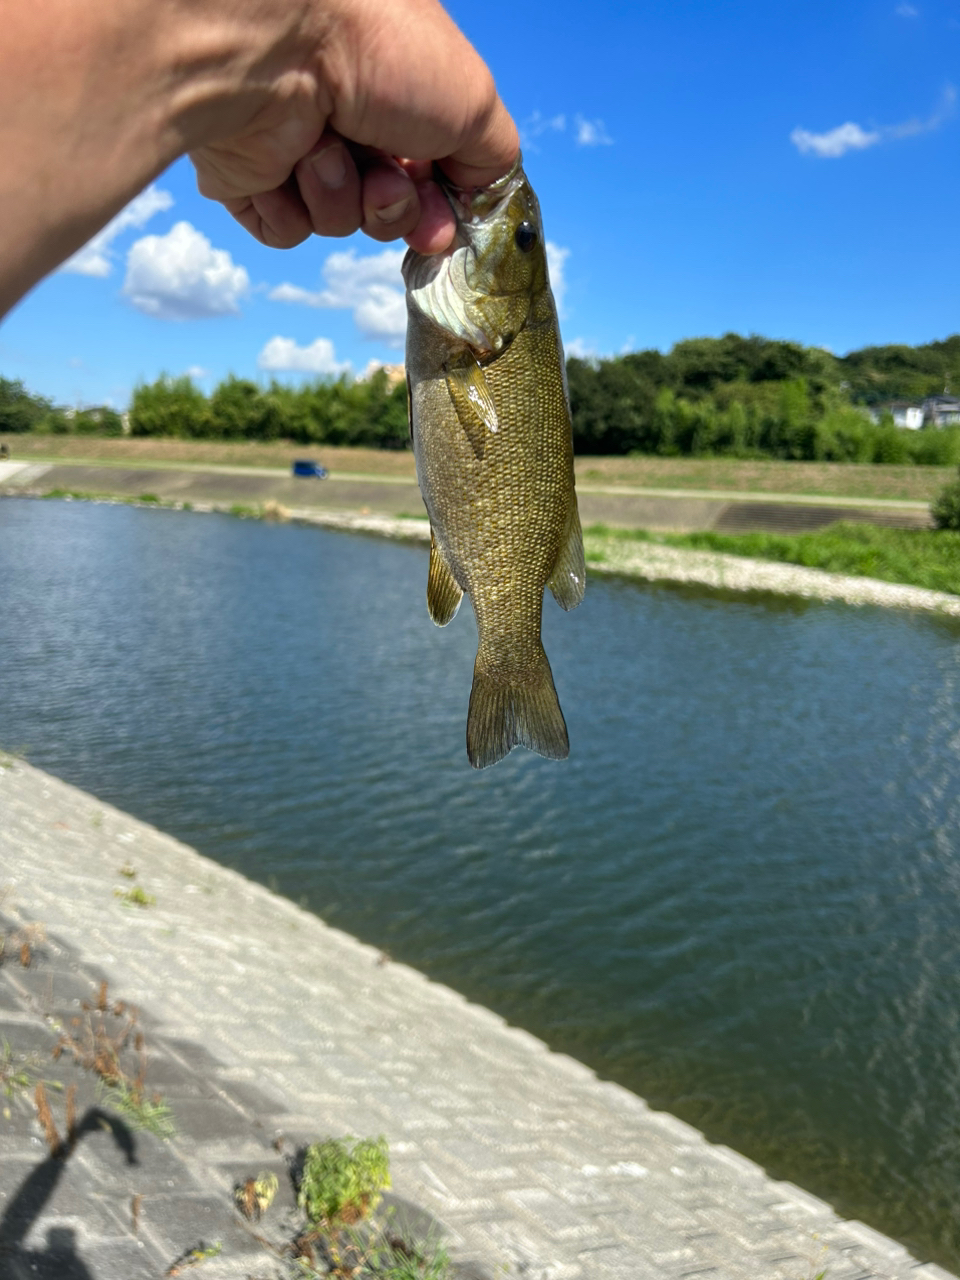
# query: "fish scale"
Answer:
x=493 y=443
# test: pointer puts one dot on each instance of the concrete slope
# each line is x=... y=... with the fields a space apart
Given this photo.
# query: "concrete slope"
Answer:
x=265 y=1022
x=390 y=495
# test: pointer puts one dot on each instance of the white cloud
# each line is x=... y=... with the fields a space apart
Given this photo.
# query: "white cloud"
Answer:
x=556 y=262
x=196 y=372
x=282 y=355
x=835 y=143
x=907 y=11
x=370 y=287
x=582 y=348
x=96 y=256
x=592 y=133
x=180 y=276
x=850 y=137
x=535 y=125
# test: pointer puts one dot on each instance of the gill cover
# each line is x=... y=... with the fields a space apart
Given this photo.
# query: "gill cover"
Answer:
x=478 y=291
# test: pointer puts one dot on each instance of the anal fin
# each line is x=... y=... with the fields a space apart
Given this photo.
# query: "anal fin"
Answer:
x=443 y=593
x=474 y=404
x=569 y=578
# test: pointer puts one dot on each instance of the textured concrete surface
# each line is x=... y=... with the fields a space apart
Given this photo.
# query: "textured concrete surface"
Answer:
x=262 y=1023
x=622 y=505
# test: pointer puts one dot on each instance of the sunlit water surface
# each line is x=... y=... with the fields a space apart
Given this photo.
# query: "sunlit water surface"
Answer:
x=740 y=897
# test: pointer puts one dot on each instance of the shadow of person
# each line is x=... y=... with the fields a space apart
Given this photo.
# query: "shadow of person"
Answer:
x=59 y=1259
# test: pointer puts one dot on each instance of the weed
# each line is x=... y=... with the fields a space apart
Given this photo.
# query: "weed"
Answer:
x=135 y=897
x=342 y=1180
x=128 y=871
x=193 y=1257
x=148 y=497
x=150 y=1113
x=22 y=943
x=11 y=756
x=96 y=819
x=19 y=1072
x=244 y=512
x=102 y=1041
x=273 y=510
x=255 y=1196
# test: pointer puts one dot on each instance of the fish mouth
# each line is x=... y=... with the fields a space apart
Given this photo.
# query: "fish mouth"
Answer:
x=444 y=286
x=472 y=205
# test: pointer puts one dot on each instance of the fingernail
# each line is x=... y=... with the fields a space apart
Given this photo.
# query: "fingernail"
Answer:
x=393 y=212
x=330 y=165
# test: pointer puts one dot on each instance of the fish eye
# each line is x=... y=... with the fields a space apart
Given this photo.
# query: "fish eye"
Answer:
x=526 y=237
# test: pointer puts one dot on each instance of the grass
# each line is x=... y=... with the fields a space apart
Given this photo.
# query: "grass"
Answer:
x=134 y=897
x=150 y=1113
x=917 y=557
x=765 y=475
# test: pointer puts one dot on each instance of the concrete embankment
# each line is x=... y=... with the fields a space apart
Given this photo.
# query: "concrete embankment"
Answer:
x=264 y=1028
x=391 y=506
x=621 y=506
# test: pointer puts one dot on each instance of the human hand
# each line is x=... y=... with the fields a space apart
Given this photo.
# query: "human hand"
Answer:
x=341 y=128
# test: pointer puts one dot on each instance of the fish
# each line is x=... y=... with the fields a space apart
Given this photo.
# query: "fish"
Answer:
x=493 y=441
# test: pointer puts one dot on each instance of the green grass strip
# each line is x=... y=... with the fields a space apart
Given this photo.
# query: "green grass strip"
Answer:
x=917 y=557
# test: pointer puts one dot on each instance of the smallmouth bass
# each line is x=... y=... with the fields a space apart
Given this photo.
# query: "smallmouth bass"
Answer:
x=492 y=436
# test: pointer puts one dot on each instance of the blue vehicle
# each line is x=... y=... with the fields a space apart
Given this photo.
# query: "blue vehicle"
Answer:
x=304 y=467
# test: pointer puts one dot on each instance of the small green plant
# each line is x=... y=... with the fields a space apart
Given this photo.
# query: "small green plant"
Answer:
x=136 y=896
x=244 y=512
x=19 y=1074
x=148 y=497
x=14 y=1075
x=342 y=1180
x=193 y=1257
x=142 y=1111
x=945 y=508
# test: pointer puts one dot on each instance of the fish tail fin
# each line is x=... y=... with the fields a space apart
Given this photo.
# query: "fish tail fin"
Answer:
x=508 y=711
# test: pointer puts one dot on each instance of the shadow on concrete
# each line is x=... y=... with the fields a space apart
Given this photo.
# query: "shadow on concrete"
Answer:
x=58 y=1259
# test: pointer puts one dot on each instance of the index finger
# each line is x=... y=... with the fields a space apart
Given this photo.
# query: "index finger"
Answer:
x=488 y=150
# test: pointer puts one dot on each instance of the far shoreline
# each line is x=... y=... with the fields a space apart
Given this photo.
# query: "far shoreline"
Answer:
x=609 y=556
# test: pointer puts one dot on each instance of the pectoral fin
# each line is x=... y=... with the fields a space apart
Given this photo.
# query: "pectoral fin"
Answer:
x=474 y=404
x=443 y=593
x=569 y=578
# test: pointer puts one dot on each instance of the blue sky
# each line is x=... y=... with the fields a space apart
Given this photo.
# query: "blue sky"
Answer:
x=784 y=169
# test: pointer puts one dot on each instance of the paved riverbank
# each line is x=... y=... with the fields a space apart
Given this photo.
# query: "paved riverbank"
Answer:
x=262 y=1023
x=620 y=505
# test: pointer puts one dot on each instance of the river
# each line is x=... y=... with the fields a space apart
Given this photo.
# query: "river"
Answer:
x=739 y=897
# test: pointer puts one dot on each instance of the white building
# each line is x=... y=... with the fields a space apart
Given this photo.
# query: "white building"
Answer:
x=904 y=414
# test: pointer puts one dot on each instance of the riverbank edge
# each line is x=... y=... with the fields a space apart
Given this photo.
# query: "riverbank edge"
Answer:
x=527 y=1158
x=644 y=561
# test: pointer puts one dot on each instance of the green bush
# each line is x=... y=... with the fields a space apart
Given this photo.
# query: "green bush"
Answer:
x=169 y=407
x=342 y=1180
x=945 y=508
x=19 y=410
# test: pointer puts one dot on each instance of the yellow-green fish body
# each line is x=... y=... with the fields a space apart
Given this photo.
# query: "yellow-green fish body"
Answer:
x=492 y=437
